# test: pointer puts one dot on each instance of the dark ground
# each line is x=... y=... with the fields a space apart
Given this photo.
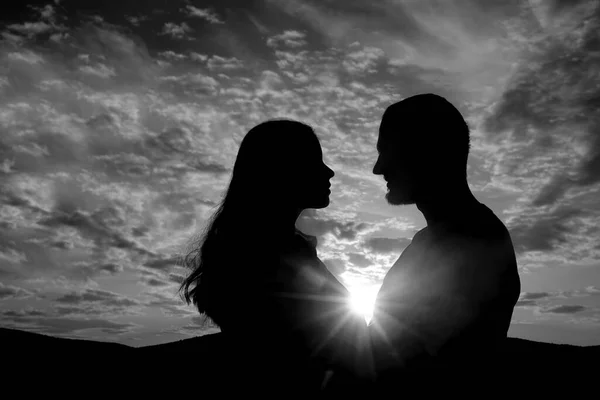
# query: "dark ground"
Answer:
x=35 y=364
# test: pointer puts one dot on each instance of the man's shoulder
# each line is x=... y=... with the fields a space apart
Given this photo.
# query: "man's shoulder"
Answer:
x=481 y=237
x=479 y=226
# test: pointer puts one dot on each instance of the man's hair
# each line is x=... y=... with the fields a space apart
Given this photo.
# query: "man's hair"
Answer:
x=431 y=121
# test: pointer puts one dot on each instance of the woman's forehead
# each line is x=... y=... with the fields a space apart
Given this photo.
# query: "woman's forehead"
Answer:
x=305 y=142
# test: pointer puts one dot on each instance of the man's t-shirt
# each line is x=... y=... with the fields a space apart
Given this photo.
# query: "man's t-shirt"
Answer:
x=450 y=295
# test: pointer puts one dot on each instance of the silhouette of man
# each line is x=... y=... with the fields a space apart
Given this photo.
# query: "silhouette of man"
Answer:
x=449 y=298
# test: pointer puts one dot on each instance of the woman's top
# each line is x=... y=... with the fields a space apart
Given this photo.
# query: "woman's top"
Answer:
x=288 y=317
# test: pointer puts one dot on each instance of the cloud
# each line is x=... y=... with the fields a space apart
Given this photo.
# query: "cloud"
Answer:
x=162 y=264
x=137 y=20
x=47 y=12
x=13 y=292
x=563 y=309
x=467 y=54
x=171 y=55
x=96 y=296
x=198 y=57
x=11 y=38
x=126 y=53
x=100 y=70
x=288 y=38
x=363 y=61
x=176 y=278
x=542 y=300
x=204 y=13
x=530 y=299
x=193 y=81
x=177 y=31
x=154 y=282
x=347 y=231
x=111 y=268
x=335 y=265
x=31 y=28
x=11 y=255
x=28 y=57
x=543 y=233
x=170 y=305
x=79 y=306
x=57 y=326
x=24 y=313
x=592 y=290
x=359 y=260
x=199 y=325
x=48 y=24
x=59 y=37
x=288 y=59
x=525 y=303
x=98 y=235
x=209 y=167
x=552 y=101
x=386 y=245
x=534 y=295
x=323 y=19
x=216 y=62
x=96 y=302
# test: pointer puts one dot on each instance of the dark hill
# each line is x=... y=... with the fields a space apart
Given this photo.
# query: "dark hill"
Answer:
x=36 y=363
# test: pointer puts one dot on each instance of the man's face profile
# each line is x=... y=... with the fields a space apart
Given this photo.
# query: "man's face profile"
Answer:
x=397 y=164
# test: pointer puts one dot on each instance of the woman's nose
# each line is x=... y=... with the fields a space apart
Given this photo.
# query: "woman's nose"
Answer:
x=326 y=171
x=377 y=167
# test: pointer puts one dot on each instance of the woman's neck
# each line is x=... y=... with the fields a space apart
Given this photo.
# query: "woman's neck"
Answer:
x=282 y=222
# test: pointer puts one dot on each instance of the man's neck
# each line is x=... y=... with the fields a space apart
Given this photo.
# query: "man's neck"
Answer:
x=447 y=205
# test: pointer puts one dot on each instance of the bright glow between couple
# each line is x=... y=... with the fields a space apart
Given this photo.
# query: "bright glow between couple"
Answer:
x=362 y=300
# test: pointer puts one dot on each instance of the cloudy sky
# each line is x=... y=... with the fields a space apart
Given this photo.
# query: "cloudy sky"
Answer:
x=120 y=122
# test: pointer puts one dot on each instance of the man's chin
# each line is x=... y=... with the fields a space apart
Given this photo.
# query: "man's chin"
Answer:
x=398 y=199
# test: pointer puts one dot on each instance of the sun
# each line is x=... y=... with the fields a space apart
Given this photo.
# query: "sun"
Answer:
x=362 y=300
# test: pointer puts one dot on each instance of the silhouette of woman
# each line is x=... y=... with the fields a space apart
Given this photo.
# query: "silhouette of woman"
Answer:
x=285 y=317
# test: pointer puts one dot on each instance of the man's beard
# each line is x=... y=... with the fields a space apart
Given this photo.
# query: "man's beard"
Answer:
x=399 y=197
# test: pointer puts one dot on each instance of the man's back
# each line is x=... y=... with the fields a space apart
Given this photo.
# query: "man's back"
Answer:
x=451 y=293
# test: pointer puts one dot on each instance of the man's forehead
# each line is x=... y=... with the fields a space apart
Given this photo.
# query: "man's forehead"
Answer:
x=387 y=135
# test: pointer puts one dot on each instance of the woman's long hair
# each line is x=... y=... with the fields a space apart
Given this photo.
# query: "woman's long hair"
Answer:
x=219 y=261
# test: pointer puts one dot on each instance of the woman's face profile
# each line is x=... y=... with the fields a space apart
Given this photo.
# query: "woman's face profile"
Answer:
x=308 y=182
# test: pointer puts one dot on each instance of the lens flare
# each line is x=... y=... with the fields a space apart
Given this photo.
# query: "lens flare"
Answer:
x=362 y=300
